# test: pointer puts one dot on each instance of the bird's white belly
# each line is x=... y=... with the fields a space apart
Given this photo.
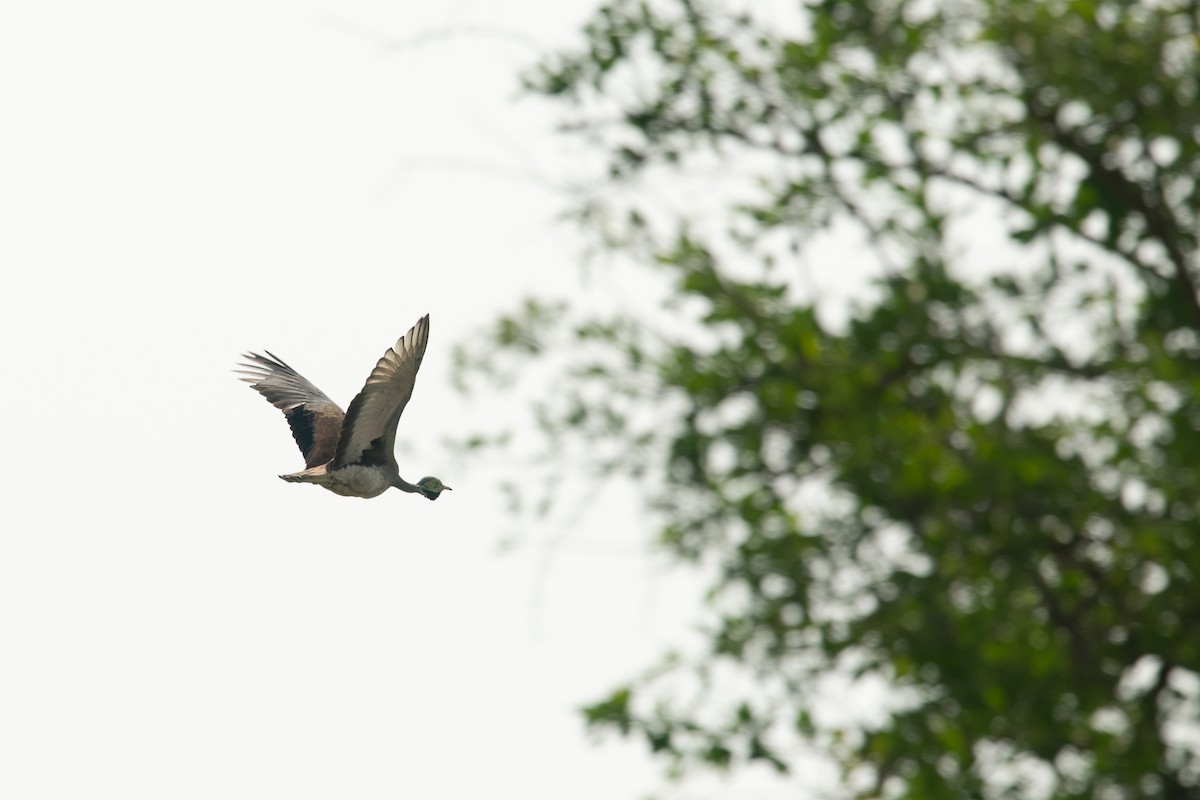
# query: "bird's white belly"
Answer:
x=357 y=481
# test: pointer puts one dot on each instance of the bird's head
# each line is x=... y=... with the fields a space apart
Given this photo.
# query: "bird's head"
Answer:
x=431 y=487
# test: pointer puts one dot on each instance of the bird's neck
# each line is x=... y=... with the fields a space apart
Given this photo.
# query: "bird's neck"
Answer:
x=405 y=486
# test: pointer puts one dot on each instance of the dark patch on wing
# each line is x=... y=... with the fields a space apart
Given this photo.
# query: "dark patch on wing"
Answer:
x=377 y=455
x=303 y=426
x=316 y=430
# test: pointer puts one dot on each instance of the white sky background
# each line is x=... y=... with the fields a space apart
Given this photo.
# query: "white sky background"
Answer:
x=183 y=182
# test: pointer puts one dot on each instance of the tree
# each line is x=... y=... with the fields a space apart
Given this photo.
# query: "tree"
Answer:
x=979 y=483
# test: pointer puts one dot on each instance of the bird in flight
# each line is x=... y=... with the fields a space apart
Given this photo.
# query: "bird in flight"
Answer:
x=348 y=453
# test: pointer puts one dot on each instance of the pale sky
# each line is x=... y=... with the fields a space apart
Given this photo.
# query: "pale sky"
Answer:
x=179 y=183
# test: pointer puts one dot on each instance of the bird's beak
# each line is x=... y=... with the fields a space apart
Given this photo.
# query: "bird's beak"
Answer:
x=447 y=488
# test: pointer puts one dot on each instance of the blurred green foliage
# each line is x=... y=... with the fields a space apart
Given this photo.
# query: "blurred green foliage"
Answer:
x=980 y=487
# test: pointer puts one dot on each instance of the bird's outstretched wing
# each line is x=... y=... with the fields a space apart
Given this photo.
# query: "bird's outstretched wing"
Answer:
x=315 y=420
x=369 y=433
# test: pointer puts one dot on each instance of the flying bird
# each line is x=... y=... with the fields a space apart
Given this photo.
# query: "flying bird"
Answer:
x=348 y=453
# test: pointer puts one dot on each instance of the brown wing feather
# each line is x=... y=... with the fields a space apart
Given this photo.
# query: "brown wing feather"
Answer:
x=315 y=420
x=369 y=432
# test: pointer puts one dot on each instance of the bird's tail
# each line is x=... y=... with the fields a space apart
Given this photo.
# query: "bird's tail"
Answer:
x=313 y=475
